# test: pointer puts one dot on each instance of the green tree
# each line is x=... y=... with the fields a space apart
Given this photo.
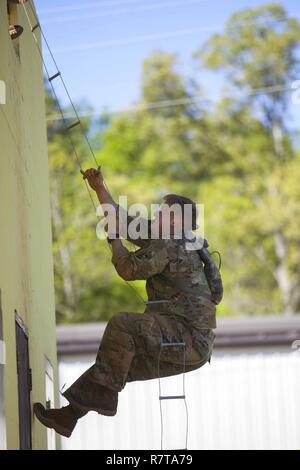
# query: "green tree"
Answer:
x=237 y=157
x=259 y=50
x=87 y=287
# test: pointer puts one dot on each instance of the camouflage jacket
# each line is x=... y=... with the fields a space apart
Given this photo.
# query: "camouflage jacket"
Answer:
x=175 y=279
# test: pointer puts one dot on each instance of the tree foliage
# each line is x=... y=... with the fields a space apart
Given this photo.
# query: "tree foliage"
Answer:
x=237 y=157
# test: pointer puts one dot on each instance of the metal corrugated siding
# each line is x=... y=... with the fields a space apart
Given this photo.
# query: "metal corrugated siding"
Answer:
x=239 y=401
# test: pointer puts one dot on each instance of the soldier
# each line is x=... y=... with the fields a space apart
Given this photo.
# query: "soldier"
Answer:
x=183 y=287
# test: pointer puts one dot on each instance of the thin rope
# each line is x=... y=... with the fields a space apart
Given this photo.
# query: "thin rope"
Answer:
x=59 y=75
x=183 y=387
x=163 y=35
x=63 y=82
x=58 y=103
x=65 y=87
x=140 y=298
x=195 y=99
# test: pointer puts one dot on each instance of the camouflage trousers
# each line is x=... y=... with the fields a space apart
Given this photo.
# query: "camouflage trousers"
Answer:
x=129 y=351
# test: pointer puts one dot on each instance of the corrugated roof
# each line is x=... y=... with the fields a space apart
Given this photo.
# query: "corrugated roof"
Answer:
x=84 y=338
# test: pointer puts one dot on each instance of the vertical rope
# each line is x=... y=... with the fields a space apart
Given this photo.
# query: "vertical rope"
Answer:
x=183 y=386
x=57 y=102
x=33 y=27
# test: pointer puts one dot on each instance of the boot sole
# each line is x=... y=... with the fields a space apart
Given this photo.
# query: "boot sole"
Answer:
x=50 y=423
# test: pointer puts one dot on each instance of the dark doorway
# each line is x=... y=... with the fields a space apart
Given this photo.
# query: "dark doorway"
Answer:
x=24 y=384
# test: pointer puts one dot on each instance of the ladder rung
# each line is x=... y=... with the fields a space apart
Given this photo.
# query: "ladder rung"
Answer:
x=172 y=344
x=33 y=28
x=73 y=125
x=54 y=76
x=172 y=397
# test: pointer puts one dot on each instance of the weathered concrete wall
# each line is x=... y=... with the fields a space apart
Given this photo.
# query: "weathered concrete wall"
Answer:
x=26 y=267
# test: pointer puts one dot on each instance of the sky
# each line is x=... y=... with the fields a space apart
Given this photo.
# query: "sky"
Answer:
x=100 y=45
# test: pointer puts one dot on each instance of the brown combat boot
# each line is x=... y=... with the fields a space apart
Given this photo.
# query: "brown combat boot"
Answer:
x=62 y=420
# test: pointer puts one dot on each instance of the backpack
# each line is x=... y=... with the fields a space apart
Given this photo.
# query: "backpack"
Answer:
x=212 y=273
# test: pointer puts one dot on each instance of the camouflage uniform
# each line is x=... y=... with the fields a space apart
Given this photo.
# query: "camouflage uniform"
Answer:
x=130 y=346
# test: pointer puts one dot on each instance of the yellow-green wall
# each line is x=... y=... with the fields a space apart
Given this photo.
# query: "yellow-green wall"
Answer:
x=26 y=269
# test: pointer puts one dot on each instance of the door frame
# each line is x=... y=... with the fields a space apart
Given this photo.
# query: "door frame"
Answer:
x=25 y=442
